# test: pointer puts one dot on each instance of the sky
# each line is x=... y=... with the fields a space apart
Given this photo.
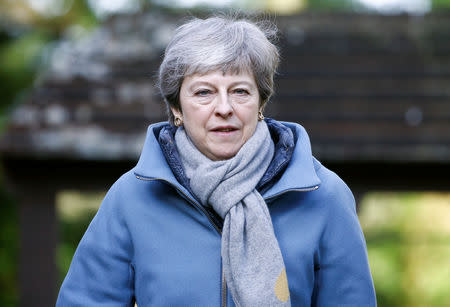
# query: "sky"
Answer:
x=106 y=7
x=396 y=6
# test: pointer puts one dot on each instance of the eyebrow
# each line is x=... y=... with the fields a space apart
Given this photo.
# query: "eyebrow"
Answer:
x=198 y=83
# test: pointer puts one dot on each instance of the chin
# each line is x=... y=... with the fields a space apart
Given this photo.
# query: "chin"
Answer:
x=223 y=155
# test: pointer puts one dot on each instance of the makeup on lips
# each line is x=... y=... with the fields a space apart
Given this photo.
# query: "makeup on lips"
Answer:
x=225 y=130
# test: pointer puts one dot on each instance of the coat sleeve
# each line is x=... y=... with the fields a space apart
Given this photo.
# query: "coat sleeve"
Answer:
x=101 y=272
x=343 y=277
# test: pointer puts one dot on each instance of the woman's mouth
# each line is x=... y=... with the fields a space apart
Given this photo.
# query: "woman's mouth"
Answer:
x=224 y=129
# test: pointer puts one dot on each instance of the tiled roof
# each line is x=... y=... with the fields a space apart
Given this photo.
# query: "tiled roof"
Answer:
x=366 y=87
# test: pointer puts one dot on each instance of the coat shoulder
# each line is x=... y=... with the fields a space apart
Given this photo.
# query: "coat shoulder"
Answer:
x=336 y=192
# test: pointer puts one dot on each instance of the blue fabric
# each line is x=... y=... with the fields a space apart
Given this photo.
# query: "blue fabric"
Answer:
x=153 y=242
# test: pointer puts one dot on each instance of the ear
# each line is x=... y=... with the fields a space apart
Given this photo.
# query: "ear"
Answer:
x=262 y=105
x=176 y=112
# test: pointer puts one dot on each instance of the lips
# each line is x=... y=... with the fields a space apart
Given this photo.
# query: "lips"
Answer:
x=224 y=129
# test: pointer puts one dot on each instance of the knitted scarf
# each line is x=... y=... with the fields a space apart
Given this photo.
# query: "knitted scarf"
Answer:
x=252 y=261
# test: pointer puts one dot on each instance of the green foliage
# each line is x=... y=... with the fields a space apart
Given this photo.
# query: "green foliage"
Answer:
x=18 y=59
x=71 y=232
x=331 y=5
x=408 y=240
x=74 y=211
x=21 y=45
x=441 y=5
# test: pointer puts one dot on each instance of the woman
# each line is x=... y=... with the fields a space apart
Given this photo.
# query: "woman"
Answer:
x=224 y=207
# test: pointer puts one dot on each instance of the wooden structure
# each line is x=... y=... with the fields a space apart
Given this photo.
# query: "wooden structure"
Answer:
x=372 y=91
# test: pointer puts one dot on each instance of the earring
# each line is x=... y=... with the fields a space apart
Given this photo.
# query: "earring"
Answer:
x=260 y=115
x=178 y=121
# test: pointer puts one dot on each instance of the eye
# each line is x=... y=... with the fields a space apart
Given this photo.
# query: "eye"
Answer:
x=203 y=93
x=241 y=91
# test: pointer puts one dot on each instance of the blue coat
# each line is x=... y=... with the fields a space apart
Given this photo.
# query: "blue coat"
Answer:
x=152 y=242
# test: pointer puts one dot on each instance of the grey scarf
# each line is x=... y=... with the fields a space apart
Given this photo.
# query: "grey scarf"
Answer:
x=252 y=261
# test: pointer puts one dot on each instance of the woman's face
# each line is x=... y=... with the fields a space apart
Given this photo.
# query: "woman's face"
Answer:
x=219 y=112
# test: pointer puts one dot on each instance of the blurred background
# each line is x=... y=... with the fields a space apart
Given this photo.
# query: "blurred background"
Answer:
x=369 y=80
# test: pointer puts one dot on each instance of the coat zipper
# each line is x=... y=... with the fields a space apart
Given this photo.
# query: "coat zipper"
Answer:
x=185 y=196
x=292 y=190
x=194 y=203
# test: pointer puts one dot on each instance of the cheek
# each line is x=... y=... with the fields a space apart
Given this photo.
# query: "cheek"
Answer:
x=250 y=115
x=251 y=128
x=197 y=116
x=251 y=121
x=195 y=120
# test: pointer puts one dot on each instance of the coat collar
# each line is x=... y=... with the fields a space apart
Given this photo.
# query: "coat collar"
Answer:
x=152 y=164
x=299 y=174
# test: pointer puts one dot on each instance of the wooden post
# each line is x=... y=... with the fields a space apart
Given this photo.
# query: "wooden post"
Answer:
x=36 y=182
x=38 y=239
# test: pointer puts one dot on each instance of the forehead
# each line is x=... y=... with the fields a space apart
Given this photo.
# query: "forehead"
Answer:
x=217 y=76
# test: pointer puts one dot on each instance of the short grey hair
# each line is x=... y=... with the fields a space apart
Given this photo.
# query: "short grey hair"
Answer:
x=219 y=43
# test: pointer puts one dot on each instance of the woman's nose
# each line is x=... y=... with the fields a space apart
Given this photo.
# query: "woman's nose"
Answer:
x=224 y=105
